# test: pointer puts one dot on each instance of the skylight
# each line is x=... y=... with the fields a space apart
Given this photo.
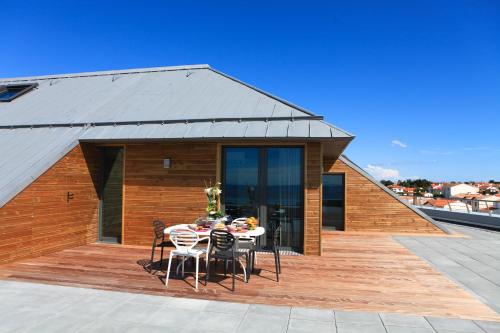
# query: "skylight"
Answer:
x=11 y=92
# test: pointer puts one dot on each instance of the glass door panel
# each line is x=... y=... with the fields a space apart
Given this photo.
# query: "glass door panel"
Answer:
x=333 y=201
x=110 y=212
x=285 y=195
x=240 y=192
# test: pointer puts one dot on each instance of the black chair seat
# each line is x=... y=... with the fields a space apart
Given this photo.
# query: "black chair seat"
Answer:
x=227 y=255
x=162 y=244
x=158 y=241
x=222 y=248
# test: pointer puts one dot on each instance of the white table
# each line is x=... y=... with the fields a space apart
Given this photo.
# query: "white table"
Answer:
x=259 y=231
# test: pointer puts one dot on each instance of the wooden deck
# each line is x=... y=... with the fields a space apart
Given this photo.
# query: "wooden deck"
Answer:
x=364 y=272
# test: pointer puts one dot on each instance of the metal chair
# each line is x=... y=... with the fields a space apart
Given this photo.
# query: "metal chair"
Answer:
x=158 y=241
x=223 y=243
x=275 y=234
x=185 y=241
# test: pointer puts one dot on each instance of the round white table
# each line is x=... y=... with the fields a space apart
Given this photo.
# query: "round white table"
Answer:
x=259 y=231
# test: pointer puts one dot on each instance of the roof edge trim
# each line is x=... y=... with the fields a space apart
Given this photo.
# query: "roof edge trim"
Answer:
x=353 y=165
x=172 y=121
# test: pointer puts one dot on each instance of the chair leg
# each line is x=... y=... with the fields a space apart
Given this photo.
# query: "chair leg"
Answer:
x=248 y=271
x=252 y=261
x=225 y=268
x=168 y=269
x=208 y=270
x=234 y=270
x=279 y=260
x=161 y=257
x=152 y=258
x=245 y=276
x=183 y=261
x=197 y=266
x=276 y=266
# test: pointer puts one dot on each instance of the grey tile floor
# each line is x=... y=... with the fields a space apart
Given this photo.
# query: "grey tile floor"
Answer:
x=30 y=307
x=474 y=262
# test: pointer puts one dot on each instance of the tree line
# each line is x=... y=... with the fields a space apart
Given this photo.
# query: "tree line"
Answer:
x=416 y=183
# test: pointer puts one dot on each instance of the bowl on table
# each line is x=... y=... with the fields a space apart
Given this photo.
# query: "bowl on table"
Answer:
x=219 y=226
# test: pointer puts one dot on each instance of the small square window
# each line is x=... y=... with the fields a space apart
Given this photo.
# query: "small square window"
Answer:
x=10 y=92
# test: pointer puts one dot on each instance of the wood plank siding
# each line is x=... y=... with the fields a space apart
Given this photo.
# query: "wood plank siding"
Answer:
x=313 y=202
x=41 y=220
x=369 y=208
x=174 y=195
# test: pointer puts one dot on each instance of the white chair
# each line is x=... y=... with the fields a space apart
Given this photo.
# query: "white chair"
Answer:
x=185 y=240
x=245 y=243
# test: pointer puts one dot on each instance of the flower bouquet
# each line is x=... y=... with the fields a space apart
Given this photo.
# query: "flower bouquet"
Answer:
x=213 y=205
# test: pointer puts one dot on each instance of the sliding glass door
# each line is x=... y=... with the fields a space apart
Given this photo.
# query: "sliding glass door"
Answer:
x=267 y=182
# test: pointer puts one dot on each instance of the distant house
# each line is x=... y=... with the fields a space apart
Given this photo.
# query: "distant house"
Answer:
x=435 y=189
x=396 y=189
x=452 y=205
x=451 y=190
x=408 y=190
x=473 y=196
x=488 y=189
x=488 y=203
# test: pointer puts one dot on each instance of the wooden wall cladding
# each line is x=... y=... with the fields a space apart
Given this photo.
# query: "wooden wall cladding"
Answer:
x=41 y=220
x=369 y=208
x=312 y=221
x=174 y=195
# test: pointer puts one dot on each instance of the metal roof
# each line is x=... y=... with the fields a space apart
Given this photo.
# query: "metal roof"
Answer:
x=182 y=102
x=28 y=153
x=191 y=93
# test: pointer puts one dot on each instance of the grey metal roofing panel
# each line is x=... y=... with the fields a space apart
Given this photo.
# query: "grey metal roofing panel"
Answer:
x=198 y=130
x=299 y=129
x=140 y=95
x=277 y=129
x=32 y=153
x=319 y=129
x=256 y=129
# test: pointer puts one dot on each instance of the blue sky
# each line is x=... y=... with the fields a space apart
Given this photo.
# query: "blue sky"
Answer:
x=417 y=82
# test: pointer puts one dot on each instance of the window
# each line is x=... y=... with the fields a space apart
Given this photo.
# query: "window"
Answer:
x=333 y=201
x=10 y=92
